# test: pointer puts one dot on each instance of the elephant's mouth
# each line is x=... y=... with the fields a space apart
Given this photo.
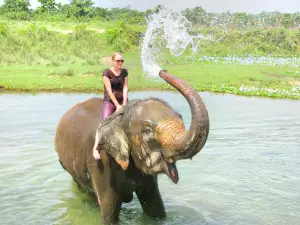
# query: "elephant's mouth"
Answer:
x=157 y=162
x=172 y=172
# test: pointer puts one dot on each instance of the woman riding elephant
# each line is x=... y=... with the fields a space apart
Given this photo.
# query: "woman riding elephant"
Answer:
x=115 y=82
x=143 y=139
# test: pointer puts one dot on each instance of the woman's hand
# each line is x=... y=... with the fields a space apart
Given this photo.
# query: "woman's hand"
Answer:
x=118 y=107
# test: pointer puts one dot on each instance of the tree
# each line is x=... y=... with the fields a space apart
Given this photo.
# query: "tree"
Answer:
x=101 y=12
x=240 y=19
x=16 y=5
x=223 y=20
x=48 y=6
x=286 y=20
x=196 y=15
x=297 y=19
x=82 y=8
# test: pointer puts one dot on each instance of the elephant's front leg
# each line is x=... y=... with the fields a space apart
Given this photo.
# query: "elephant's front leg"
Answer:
x=149 y=197
x=109 y=201
x=110 y=207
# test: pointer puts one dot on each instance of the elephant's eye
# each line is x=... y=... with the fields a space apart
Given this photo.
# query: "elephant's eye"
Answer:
x=147 y=130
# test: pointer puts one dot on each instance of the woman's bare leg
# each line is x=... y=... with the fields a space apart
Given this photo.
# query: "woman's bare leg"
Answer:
x=107 y=109
x=96 y=153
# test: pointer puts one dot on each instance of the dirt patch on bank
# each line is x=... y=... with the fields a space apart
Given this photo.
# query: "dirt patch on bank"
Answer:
x=69 y=32
x=272 y=75
x=66 y=32
x=87 y=75
x=97 y=30
x=106 y=60
x=295 y=83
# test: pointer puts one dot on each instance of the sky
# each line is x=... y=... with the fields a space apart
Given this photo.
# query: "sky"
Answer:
x=250 y=6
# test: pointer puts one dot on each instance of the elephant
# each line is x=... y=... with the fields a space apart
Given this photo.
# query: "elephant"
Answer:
x=142 y=140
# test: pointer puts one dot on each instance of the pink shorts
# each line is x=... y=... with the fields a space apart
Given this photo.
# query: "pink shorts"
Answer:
x=108 y=108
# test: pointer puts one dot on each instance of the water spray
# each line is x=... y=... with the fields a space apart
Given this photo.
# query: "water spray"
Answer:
x=169 y=30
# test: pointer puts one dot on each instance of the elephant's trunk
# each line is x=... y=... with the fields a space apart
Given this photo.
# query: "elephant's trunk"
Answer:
x=191 y=142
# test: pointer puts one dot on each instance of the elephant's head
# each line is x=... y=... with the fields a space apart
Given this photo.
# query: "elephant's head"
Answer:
x=153 y=134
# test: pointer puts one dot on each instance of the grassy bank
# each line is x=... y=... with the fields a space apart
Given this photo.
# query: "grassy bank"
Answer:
x=46 y=43
x=40 y=56
x=250 y=80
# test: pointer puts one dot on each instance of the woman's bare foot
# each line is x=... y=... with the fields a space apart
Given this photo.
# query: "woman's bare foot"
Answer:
x=96 y=154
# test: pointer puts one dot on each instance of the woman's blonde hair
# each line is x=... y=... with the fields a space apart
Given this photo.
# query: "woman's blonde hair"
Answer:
x=115 y=54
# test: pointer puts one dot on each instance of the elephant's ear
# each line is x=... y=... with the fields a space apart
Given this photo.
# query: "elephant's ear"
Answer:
x=114 y=140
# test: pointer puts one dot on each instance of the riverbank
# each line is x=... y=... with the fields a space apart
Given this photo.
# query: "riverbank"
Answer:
x=247 y=80
x=70 y=57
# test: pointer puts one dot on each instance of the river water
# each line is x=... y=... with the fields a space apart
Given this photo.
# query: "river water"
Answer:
x=247 y=173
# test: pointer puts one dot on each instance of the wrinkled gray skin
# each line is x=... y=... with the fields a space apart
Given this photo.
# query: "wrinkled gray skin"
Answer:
x=146 y=138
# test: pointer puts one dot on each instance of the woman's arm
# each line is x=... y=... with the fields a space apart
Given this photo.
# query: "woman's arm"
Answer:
x=125 y=91
x=110 y=94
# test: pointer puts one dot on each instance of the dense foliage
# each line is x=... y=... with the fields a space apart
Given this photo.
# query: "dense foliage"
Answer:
x=37 y=45
x=227 y=33
x=272 y=41
x=84 y=10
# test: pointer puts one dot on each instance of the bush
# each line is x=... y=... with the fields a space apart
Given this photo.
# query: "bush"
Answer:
x=18 y=16
x=277 y=42
x=122 y=37
x=3 y=30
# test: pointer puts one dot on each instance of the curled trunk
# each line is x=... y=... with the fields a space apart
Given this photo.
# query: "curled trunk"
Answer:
x=189 y=143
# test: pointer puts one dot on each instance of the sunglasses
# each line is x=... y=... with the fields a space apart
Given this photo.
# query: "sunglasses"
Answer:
x=119 y=61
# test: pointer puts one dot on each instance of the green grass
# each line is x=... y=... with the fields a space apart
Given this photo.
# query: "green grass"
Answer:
x=202 y=76
x=35 y=59
x=16 y=25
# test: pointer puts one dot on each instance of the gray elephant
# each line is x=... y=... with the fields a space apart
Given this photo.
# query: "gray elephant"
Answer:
x=146 y=138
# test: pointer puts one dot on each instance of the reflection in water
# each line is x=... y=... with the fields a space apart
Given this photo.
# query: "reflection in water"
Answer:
x=248 y=173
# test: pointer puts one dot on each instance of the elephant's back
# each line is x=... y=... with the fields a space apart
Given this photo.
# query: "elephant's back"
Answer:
x=75 y=135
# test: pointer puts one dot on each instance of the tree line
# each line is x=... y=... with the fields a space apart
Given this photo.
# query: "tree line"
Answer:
x=84 y=10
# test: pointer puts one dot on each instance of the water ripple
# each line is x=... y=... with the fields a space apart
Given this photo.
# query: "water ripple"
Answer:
x=247 y=173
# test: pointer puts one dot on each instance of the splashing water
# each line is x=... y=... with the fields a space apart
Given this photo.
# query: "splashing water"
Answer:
x=166 y=29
